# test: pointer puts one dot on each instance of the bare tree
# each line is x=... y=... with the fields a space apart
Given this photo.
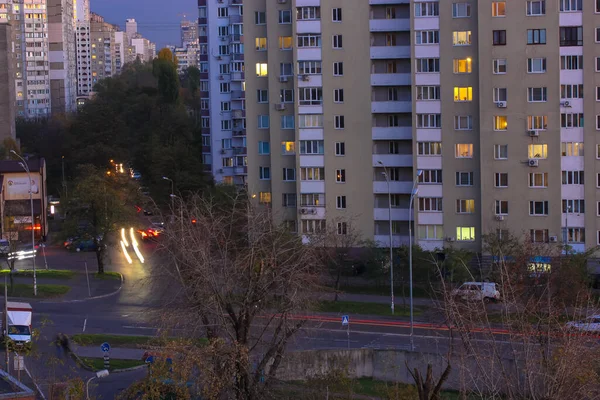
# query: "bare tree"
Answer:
x=242 y=279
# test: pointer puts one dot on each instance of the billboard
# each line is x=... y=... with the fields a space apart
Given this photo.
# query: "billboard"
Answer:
x=20 y=186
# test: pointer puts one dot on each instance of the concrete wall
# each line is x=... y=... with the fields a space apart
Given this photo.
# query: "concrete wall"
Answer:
x=7 y=85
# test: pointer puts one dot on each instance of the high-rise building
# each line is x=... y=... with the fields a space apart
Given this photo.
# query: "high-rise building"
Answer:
x=29 y=43
x=329 y=114
x=189 y=32
x=7 y=84
x=223 y=117
x=83 y=48
x=131 y=28
x=62 y=55
x=143 y=48
x=103 y=48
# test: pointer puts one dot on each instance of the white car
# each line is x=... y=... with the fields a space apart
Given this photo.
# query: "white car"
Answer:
x=589 y=324
x=477 y=291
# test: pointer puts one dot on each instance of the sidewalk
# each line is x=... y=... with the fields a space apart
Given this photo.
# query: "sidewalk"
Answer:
x=117 y=353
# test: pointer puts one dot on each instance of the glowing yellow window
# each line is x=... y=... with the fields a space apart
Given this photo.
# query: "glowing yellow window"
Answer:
x=462 y=66
x=261 y=69
x=464 y=150
x=462 y=38
x=261 y=43
x=500 y=122
x=465 y=233
x=498 y=9
x=537 y=151
x=463 y=93
x=264 y=197
x=285 y=42
x=288 y=148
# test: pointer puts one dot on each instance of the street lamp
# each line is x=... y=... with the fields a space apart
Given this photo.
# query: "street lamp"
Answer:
x=387 y=178
x=413 y=193
x=24 y=165
x=100 y=374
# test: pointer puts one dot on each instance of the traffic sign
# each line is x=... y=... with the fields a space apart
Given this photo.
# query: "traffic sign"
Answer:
x=150 y=360
x=105 y=347
x=345 y=320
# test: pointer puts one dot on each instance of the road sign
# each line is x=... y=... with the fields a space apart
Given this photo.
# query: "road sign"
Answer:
x=150 y=360
x=345 y=320
x=106 y=360
x=19 y=363
x=105 y=347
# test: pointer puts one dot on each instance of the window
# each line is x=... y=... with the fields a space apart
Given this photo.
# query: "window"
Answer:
x=308 y=40
x=309 y=67
x=597 y=35
x=464 y=150
x=429 y=148
x=288 y=200
x=222 y=12
x=430 y=204
x=261 y=69
x=597 y=64
x=501 y=179
x=572 y=177
x=340 y=149
x=432 y=176
x=500 y=94
x=336 y=41
x=571 y=5
x=465 y=233
x=461 y=38
x=571 y=62
x=312 y=174
x=262 y=95
x=501 y=207
x=571 y=149
x=264 y=148
x=571 y=120
x=285 y=42
x=463 y=122
x=260 y=18
x=308 y=96
x=338 y=95
x=340 y=202
x=463 y=94
x=225 y=125
x=537 y=122
x=536 y=36
x=261 y=44
x=537 y=151
x=431 y=121
x=285 y=16
x=598 y=122
x=264 y=173
x=499 y=38
x=538 y=208
x=498 y=9
x=287 y=122
x=428 y=93
x=224 y=87
x=428 y=65
x=462 y=66
x=500 y=151
x=226 y=143
x=574 y=235
x=312 y=147
x=571 y=91
x=539 y=235
x=537 y=94
x=536 y=65
x=340 y=175
x=597 y=6
x=538 y=179
x=500 y=122
x=225 y=106
x=263 y=122
x=264 y=197
x=310 y=121
x=342 y=228
x=338 y=68
x=465 y=206
x=312 y=226
x=571 y=36
x=499 y=66
x=286 y=69
x=289 y=174
x=288 y=148
x=308 y=13
x=461 y=10
x=427 y=9
x=336 y=15
x=427 y=37
x=536 y=8
x=286 y=95
x=464 y=179
x=431 y=232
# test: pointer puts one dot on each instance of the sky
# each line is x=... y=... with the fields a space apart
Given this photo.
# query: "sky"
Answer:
x=158 y=20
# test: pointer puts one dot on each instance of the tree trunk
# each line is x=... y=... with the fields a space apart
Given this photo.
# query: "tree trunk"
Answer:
x=100 y=259
x=337 y=282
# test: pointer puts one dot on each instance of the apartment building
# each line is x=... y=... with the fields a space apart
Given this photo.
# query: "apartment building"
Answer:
x=222 y=90
x=124 y=52
x=62 y=56
x=143 y=48
x=103 y=48
x=7 y=84
x=189 y=32
x=329 y=114
x=83 y=49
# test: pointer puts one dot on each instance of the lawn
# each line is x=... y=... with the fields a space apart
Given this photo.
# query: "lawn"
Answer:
x=98 y=363
x=44 y=291
x=42 y=273
x=385 y=291
x=352 y=307
x=126 y=341
x=108 y=275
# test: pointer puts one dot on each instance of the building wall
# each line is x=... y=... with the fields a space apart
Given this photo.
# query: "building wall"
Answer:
x=103 y=48
x=83 y=44
x=62 y=55
x=7 y=85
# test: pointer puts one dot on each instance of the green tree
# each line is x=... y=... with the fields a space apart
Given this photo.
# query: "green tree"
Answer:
x=168 y=80
x=167 y=55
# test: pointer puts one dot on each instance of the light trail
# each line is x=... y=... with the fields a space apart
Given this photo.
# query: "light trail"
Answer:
x=136 y=249
x=123 y=238
x=126 y=253
x=133 y=240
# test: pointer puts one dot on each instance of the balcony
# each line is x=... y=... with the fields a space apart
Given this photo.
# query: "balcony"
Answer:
x=238 y=132
x=381 y=187
x=236 y=37
x=237 y=56
x=393 y=160
x=384 y=240
x=238 y=95
x=383 y=214
x=390 y=79
x=235 y=19
x=240 y=151
x=389 y=25
x=386 y=52
x=240 y=170
x=391 y=106
x=238 y=114
x=392 y=133
x=308 y=26
x=237 y=76
x=308 y=3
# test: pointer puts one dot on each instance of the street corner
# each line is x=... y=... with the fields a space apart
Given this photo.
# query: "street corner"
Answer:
x=91 y=286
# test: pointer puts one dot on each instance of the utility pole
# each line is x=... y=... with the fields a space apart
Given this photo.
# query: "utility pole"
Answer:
x=64 y=181
x=4 y=320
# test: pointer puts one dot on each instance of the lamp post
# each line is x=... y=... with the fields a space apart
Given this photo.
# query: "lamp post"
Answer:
x=24 y=165
x=387 y=178
x=172 y=195
x=100 y=374
x=413 y=192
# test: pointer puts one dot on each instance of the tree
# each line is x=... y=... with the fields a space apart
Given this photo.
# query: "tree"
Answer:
x=167 y=55
x=241 y=279
x=168 y=80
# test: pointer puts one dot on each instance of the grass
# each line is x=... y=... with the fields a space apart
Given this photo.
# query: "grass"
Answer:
x=108 y=275
x=352 y=307
x=42 y=273
x=125 y=341
x=384 y=290
x=44 y=291
x=98 y=363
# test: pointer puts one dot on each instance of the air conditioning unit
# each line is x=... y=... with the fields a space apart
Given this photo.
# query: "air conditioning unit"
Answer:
x=219 y=58
x=533 y=162
x=499 y=217
x=449 y=239
x=305 y=78
x=281 y=1
x=566 y=104
x=501 y=104
x=533 y=133
x=313 y=211
x=222 y=151
x=221 y=170
x=303 y=210
x=280 y=106
x=283 y=79
x=223 y=38
x=553 y=239
x=221 y=77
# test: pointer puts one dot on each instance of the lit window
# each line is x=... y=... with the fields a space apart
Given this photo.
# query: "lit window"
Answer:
x=261 y=44
x=465 y=233
x=464 y=150
x=537 y=122
x=538 y=180
x=499 y=9
x=537 y=151
x=462 y=38
x=261 y=69
x=463 y=93
x=288 y=148
x=264 y=197
x=431 y=232
x=500 y=122
x=465 y=206
x=285 y=42
x=462 y=66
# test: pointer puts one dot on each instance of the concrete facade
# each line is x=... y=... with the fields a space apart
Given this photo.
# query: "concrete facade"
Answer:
x=103 y=48
x=7 y=84
x=62 y=56
x=83 y=49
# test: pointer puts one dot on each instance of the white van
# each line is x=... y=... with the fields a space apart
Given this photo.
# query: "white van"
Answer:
x=477 y=291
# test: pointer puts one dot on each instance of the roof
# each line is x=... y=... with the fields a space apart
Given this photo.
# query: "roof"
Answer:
x=13 y=165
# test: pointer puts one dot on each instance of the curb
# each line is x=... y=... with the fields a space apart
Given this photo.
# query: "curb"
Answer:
x=103 y=296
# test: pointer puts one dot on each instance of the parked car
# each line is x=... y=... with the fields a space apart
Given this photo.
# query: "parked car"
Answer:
x=477 y=291
x=4 y=247
x=589 y=324
x=84 y=243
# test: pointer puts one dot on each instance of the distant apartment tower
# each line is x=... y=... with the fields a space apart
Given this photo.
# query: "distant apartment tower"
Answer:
x=7 y=84
x=103 y=48
x=131 y=28
x=186 y=56
x=222 y=92
x=189 y=32
x=143 y=48
x=328 y=112
x=83 y=45
x=29 y=43
x=62 y=56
